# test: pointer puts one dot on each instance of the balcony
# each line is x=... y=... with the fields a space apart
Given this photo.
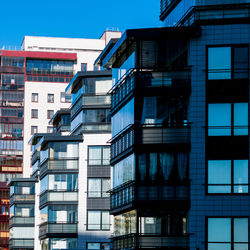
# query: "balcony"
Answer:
x=143 y=241
x=90 y=100
x=11 y=69
x=131 y=194
x=147 y=81
x=21 y=220
x=61 y=196
x=148 y=134
x=22 y=198
x=21 y=244
x=59 y=165
x=91 y=128
x=58 y=229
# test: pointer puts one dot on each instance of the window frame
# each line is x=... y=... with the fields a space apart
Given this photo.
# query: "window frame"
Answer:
x=32 y=130
x=231 y=185
x=49 y=98
x=102 y=193
x=102 y=159
x=232 y=242
x=32 y=113
x=65 y=94
x=232 y=127
x=232 y=71
x=34 y=94
x=48 y=114
x=48 y=128
x=101 y=225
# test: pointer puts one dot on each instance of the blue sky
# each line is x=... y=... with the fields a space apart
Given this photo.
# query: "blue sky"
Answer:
x=73 y=18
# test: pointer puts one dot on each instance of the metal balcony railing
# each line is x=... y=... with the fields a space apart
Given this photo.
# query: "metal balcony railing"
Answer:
x=143 y=241
x=148 y=134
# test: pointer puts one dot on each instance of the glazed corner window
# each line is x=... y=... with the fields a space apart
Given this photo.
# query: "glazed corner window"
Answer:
x=225 y=63
x=34 y=113
x=50 y=114
x=83 y=66
x=98 y=220
x=226 y=119
x=50 y=98
x=34 y=97
x=98 y=187
x=33 y=130
x=227 y=233
x=227 y=176
x=65 y=97
x=99 y=155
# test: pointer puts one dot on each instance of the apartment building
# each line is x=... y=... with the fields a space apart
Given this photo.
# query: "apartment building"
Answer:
x=180 y=141
x=70 y=174
x=33 y=82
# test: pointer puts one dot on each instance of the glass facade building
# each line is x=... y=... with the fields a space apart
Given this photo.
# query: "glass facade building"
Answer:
x=180 y=118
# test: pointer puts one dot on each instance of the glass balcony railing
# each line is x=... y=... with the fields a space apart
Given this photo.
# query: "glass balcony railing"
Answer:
x=105 y=127
x=58 y=196
x=90 y=100
x=123 y=196
x=148 y=134
x=57 y=228
x=22 y=198
x=21 y=243
x=21 y=220
x=144 y=241
x=59 y=165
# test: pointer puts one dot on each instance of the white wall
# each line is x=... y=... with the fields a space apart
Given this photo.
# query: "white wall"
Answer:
x=84 y=235
x=43 y=89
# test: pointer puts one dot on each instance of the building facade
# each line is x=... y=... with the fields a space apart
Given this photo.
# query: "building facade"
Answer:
x=180 y=141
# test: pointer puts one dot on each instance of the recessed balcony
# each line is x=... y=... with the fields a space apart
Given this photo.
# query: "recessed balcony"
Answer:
x=143 y=241
x=131 y=195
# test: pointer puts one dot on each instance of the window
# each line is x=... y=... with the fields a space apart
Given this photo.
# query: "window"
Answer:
x=34 y=97
x=228 y=176
x=227 y=63
x=99 y=155
x=98 y=246
x=83 y=66
x=50 y=98
x=50 y=114
x=98 y=220
x=98 y=187
x=33 y=130
x=227 y=233
x=34 y=113
x=50 y=129
x=65 y=97
x=225 y=119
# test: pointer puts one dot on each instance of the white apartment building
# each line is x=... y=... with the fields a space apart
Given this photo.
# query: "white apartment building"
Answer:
x=48 y=76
